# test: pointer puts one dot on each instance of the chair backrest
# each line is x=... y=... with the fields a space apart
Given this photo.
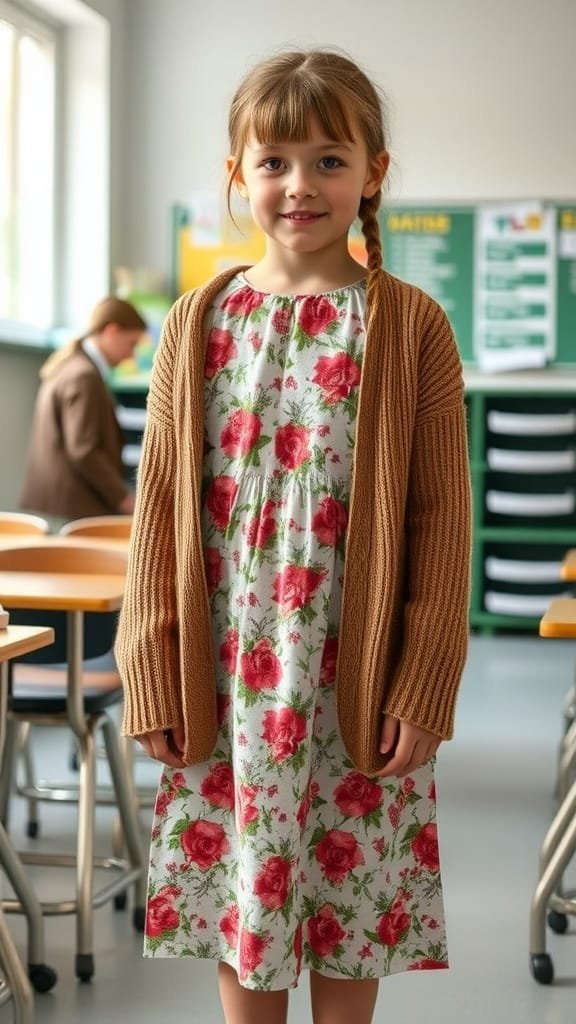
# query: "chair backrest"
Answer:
x=99 y=526
x=99 y=627
x=63 y=558
x=23 y=522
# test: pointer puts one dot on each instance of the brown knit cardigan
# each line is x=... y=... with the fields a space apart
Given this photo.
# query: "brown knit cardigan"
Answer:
x=404 y=622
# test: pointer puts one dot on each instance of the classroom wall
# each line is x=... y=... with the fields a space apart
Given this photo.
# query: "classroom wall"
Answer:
x=480 y=94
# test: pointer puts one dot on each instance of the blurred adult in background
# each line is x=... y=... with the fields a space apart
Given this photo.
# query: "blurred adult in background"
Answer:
x=74 y=463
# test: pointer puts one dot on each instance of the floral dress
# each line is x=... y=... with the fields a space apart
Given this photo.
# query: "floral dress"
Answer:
x=277 y=855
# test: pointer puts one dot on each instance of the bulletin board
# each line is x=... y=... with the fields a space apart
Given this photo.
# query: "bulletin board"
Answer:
x=505 y=273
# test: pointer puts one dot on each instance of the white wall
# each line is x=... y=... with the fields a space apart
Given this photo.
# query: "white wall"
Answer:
x=481 y=94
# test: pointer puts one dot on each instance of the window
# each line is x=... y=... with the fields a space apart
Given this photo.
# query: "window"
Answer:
x=27 y=153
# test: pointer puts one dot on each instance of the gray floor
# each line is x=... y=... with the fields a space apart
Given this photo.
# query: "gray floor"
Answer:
x=495 y=785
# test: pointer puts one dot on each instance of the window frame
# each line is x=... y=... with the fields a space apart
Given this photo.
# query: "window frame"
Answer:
x=38 y=25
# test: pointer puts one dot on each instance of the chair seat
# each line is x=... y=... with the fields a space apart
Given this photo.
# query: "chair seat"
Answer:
x=41 y=689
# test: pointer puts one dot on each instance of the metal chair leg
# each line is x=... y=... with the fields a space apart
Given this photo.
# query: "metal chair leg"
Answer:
x=123 y=782
x=85 y=854
x=18 y=984
x=548 y=882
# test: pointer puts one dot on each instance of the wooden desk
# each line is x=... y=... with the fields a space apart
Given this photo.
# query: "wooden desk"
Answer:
x=560 y=618
x=568 y=571
x=14 y=641
x=75 y=594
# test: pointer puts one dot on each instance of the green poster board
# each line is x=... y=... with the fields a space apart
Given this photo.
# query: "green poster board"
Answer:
x=566 y=284
x=438 y=247
x=433 y=248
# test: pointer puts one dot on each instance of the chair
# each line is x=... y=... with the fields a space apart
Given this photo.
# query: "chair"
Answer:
x=23 y=523
x=39 y=695
x=111 y=527
x=549 y=902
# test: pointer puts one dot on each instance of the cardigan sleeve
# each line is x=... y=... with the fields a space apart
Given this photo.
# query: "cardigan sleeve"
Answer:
x=147 y=640
x=438 y=539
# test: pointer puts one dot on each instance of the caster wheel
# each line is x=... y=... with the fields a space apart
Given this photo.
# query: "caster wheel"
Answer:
x=84 y=966
x=42 y=977
x=139 y=918
x=32 y=829
x=542 y=968
x=121 y=901
x=557 y=922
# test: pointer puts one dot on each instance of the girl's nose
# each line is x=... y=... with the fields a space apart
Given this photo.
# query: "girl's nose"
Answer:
x=300 y=186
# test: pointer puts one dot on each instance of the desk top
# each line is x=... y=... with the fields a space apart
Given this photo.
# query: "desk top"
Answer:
x=56 y=591
x=568 y=571
x=560 y=618
x=18 y=640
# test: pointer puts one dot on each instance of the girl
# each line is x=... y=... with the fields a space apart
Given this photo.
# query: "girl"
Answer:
x=295 y=620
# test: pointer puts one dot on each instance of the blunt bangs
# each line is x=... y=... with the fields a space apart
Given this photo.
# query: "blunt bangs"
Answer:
x=284 y=113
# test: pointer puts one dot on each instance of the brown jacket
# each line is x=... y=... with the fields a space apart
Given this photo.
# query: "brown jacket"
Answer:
x=404 y=625
x=74 y=463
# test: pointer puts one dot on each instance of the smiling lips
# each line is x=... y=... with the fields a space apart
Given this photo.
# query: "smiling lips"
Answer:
x=302 y=216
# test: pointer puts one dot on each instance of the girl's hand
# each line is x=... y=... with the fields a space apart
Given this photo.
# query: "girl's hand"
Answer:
x=166 y=747
x=408 y=746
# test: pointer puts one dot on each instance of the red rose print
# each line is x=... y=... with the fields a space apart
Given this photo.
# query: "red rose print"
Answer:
x=330 y=521
x=246 y=810
x=338 y=853
x=260 y=668
x=298 y=947
x=228 y=652
x=272 y=883
x=220 y=499
x=228 y=925
x=294 y=586
x=163 y=801
x=357 y=795
x=393 y=925
x=336 y=375
x=260 y=528
x=425 y=847
x=281 y=320
x=243 y=301
x=303 y=809
x=214 y=568
x=316 y=314
x=251 y=952
x=284 y=730
x=241 y=432
x=428 y=965
x=432 y=792
x=204 y=843
x=291 y=444
x=329 y=661
x=179 y=781
x=218 y=786
x=161 y=914
x=325 y=931
x=220 y=350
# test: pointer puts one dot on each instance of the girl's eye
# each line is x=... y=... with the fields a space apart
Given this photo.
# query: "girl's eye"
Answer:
x=273 y=163
x=329 y=163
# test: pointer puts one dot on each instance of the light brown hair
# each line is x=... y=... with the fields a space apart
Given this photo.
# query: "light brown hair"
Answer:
x=276 y=98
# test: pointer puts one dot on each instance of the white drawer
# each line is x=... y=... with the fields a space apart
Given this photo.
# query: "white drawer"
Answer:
x=508 y=503
x=531 y=423
x=515 y=570
x=510 y=461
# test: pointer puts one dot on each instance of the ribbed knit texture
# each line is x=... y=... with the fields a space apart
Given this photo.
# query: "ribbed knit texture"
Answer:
x=404 y=620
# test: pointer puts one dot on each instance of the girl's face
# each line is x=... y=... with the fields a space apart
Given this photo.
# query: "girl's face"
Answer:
x=305 y=195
